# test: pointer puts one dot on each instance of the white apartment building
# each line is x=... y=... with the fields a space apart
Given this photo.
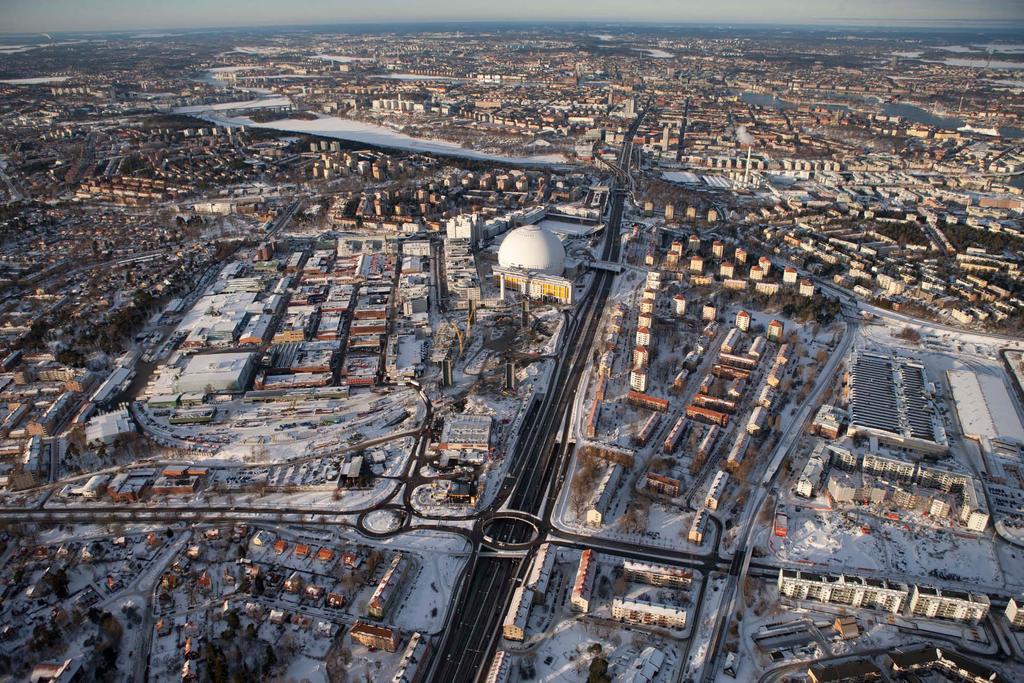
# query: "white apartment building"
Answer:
x=501 y=668
x=514 y=626
x=1015 y=613
x=931 y=602
x=813 y=473
x=716 y=490
x=699 y=526
x=540 y=572
x=889 y=468
x=638 y=379
x=657 y=574
x=602 y=495
x=855 y=591
x=646 y=613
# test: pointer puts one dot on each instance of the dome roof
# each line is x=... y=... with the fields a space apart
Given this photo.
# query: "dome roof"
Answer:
x=531 y=247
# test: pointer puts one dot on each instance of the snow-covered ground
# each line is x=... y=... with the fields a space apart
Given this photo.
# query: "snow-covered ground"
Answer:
x=860 y=544
x=705 y=627
x=563 y=655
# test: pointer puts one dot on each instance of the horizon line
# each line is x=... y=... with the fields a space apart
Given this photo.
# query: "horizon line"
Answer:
x=879 y=23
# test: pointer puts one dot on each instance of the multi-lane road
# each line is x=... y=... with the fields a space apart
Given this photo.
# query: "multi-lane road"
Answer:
x=487 y=587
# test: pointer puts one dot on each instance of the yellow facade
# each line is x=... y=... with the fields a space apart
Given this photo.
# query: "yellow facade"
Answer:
x=558 y=289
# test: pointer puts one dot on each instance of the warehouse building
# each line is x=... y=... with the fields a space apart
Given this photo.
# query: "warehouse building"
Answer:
x=217 y=373
x=890 y=400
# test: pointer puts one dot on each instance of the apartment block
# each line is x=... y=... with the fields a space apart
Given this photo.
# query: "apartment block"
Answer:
x=646 y=613
x=583 y=582
x=388 y=589
x=514 y=626
x=935 y=603
x=1015 y=613
x=855 y=591
x=657 y=574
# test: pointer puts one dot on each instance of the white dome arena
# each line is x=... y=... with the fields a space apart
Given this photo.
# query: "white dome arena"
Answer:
x=532 y=248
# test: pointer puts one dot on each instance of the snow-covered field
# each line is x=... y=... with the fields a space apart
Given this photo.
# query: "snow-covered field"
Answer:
x=820 y=539
x=917 y=554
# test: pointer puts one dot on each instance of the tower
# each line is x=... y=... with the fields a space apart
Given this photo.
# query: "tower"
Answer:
x=683 y=125
x=446 y=372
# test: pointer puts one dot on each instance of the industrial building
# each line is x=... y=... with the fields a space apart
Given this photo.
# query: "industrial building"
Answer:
x=890 y=400
x=466 y=431
x=217 y=373
x=106 y=427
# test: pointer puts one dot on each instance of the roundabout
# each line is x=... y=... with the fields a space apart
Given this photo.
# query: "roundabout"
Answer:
x=510 y=531
x=382 y=522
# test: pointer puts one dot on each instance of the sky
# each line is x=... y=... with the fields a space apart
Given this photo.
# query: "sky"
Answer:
x=26 y=16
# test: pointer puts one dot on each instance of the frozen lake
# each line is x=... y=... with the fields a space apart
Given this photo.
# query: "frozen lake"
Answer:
x=227 y=106
x=372 y=134
x=414 y=77
x=343 y=59
x=654 y=52
x=980 y=63
x=34 y=81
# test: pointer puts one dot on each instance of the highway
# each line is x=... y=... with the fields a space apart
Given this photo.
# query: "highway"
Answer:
x=465 y=652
